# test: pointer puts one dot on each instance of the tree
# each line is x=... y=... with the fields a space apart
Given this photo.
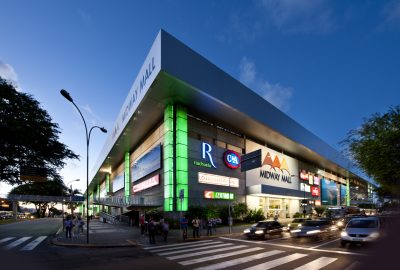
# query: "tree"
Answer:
x=53 y=187
x=28 y=137
x=73 y=205
x=375 y=147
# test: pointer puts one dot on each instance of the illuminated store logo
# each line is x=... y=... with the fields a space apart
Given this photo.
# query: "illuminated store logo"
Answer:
x=151 y=182
x=315 y=191
x=219 y=180
x=276 y=163
x=206 y=151
x=232 y=159
x=218 y=195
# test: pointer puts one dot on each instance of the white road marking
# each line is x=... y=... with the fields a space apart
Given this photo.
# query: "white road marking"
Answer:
x=317 y=264
x=325 y=243
x=239 y=260
x=17 y=242
x=219 y=256
x=181 y=244
x=204 y=252
x=34 y=243
x=277 y=262
x=296 y=247
x=161 y=248
x=193 y=249
x=6 y=239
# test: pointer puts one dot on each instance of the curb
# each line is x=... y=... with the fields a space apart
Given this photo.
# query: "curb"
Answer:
x=61 y=244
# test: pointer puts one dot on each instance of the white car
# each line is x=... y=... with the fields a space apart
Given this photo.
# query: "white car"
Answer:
x=360 y=230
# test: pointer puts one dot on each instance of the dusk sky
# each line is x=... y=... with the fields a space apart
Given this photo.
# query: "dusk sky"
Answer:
x=327 y=64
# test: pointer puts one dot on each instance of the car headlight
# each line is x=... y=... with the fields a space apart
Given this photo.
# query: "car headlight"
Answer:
x=343 y=234
x=259 y=232
x=295 y=231
x=374 y=235
x=246 y=231
x=288 y=225
x=313 y=231
x=340 y=223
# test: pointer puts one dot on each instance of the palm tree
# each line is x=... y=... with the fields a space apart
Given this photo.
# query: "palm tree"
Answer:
x=73 y=205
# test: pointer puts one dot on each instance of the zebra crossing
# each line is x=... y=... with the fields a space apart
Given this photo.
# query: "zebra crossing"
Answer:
x=26 y=243
x=215 y=254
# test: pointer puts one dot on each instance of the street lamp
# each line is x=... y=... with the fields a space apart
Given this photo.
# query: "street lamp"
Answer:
x=70 y=193
x=65 y=94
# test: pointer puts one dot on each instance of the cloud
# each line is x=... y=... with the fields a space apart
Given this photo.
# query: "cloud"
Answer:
x=8 y=73
x=300 y=16
x=274 y=93
x=391 y=14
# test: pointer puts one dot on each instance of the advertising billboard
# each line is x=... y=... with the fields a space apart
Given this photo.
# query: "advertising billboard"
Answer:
x=342 y=194
x=329 y=192
x=148 y=163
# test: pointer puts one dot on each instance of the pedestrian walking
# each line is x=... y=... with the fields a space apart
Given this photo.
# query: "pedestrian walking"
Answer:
x=196 y=227
x=184 y=226
x=80 y=225
x=209 y=227
x=68 y=227
x=152 y=231
x=142 y=224
x=165 y=230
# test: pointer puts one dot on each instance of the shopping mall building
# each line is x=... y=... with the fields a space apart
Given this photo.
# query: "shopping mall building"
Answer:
x=180 y=136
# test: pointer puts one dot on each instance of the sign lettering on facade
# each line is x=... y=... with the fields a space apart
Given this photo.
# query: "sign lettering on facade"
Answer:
x=151 y=182
x=206 y=153
x=232 y=159
x=218 y=195
x=219 y=180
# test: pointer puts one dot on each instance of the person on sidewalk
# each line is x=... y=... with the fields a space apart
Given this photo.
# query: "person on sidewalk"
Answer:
x=152 y=231
x=184 y=227
x=142 y=224
x=80 y=225
x=165 y=230
x=196 y=227
x=209 y=227
x=68 y=227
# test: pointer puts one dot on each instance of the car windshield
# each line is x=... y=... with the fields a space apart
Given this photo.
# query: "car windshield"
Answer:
x=363 y=223
x=298 y=220
x=262 y=224
x=312 y=223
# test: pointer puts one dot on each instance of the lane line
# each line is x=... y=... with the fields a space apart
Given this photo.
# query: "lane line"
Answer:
x=277 y=262
x=6 y=239
x=175 y=245
x=34 y=243
x=204 y=252
x=182 y=247
x=219 y=256
x=239 y=260
x=193 y=249
x=17 y=242
x=325 y=243
x=317 y=264
x=294 y=247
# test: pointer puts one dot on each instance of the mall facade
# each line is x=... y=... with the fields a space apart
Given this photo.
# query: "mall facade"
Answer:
x=180 y=136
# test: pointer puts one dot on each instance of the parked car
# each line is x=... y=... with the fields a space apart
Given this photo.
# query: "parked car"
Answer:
x=314 y=228
x=296 y=222
x=361 y=230
x=264 y=229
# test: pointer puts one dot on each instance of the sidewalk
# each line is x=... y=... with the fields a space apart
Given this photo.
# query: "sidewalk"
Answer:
x=111 y=235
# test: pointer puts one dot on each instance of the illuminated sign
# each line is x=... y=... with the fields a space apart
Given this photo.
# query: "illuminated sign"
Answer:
x=315 y=191
x=151 y=182
x=232 y=159
x=206 y=151
x=303 y=175
x=317 y=202
x=202 y=164
x=305 y=187
x=216 y=195
x=316 y=180
x=219 y=180
x=311 y=179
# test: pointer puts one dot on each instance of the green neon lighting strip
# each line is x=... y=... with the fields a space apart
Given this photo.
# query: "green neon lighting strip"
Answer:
x=182 y=158
x=107 y=182
x=98 y=191
x=347 y=192
x=127 y=178
x=168 y=149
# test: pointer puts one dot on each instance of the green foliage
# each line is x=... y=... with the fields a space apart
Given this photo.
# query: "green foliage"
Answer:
x=375 y=147
x=319 y=210
x=254 y=216
x=297 y=215
x=28 y=137
x=240 y=210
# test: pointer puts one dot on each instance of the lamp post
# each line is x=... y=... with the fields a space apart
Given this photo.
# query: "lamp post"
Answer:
x=70 y=194
x=65 y=94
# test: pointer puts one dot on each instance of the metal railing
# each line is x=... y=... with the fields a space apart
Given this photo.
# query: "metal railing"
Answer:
x=40 y=198
x=125 y=201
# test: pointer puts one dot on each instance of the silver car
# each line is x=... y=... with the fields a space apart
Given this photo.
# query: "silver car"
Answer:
x=314 y=228
x=360 y=230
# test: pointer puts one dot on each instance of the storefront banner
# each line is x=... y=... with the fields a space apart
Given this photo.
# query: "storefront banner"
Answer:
x=218 y=195
x=219 y=180
x=151 y=182
x=310 y=179
x=303 y=175
x=118 y=182
x=277 y=169
x=329 y=192
x=315 y=191
x=305 y=187
x=316 y=180
x=148 y=163
x=342 y=194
